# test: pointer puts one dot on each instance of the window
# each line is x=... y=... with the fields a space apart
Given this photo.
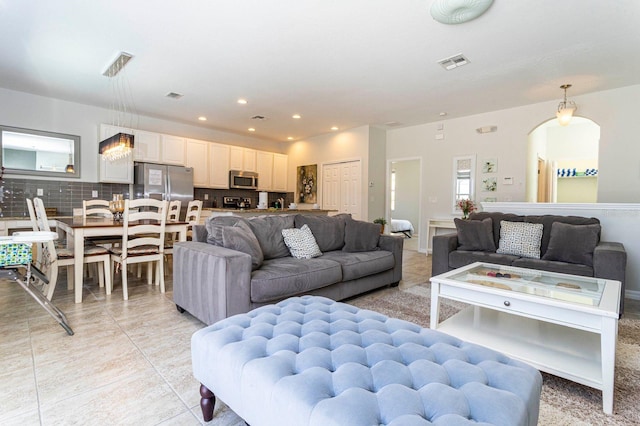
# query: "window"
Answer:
x=464 y=170
x=37 y=152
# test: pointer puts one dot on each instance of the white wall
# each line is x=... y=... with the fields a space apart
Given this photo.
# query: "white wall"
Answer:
x=20 y=109
x=349 y=145
x=619 y=156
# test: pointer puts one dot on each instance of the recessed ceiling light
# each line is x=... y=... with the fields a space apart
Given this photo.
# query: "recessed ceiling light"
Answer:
x=296 y=116
x=334 y=128
x=242 y=101
x=251 y=129
x=202 y=118
x=290 y=138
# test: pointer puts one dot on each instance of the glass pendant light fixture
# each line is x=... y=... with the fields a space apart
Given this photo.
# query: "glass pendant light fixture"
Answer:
x=565 y=108
x=70 y=168
x=119 y=145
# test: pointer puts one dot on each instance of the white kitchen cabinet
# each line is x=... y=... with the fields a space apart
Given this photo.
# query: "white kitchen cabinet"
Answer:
x=264 y=167
x=243 y=159
x=172 y=150
x=119 y=171
x=219 y=166
x=197 y=157
x=280 y=162
x=146 y=146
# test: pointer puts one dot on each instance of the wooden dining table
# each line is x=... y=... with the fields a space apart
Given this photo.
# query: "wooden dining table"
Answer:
x=78 y=228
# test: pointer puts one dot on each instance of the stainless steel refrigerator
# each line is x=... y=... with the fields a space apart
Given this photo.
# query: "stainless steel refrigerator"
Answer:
x=164 y=182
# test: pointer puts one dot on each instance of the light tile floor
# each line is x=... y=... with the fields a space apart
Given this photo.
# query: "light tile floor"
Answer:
x=129 y=362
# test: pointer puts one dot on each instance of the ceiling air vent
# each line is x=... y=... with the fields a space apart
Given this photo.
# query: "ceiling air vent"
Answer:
x=392 y=124
x=454 y=61
x=174 y=95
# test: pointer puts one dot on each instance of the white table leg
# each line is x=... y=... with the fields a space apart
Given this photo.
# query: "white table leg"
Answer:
x=608 y=340
x=435 y=305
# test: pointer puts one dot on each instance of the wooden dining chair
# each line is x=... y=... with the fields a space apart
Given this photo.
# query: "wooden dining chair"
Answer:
x=173 y=215
x=54 y=257
x=96 y=207
x=143 y=239
x=194 y=210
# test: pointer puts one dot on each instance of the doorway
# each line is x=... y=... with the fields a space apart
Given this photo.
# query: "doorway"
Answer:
x=403 y=199
x=562 y=164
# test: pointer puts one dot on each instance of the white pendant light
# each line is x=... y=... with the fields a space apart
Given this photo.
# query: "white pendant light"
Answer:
x=565 y=108
x=458 y=11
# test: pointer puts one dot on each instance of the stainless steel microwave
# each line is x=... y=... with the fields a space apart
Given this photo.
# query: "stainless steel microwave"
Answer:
x=243 y=180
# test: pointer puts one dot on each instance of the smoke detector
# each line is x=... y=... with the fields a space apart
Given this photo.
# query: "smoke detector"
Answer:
x=453 y=62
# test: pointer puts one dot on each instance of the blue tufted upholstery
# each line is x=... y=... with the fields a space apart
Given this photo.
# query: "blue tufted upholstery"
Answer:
x=310 y=360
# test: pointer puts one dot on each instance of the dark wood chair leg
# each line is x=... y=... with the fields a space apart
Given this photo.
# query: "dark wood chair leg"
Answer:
x=207 y=403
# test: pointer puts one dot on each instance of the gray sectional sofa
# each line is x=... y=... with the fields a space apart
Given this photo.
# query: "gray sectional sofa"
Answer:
x=224 y=271
x=569 y=244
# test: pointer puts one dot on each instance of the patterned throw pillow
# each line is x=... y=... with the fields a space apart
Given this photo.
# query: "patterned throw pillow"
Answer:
x=301 y=242
x=520 y=239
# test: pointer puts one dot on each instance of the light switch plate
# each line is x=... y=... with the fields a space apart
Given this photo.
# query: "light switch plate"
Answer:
x=94 y=194
x=40 y=192
x=206 y=197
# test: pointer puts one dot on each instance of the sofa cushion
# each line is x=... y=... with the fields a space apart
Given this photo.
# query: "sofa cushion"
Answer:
x=460 y=258
x=328 y=230
x=268 y=231
x=475 y=234
x=286 y=276
x=554 y=266
x=572 y=243
x=240 y=238
x=214 y=227
x=301 y=242
x=520 y=239
x=360 y=235
x=548 y=220
x=496 y=217
x=361 y=264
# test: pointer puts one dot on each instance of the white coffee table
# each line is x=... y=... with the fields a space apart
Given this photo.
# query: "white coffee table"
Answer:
x=562 y=324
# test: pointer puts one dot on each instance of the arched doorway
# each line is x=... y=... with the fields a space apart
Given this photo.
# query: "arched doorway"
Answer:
x=562 y=162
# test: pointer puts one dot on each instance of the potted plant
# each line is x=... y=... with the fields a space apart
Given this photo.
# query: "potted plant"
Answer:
x=382 y=221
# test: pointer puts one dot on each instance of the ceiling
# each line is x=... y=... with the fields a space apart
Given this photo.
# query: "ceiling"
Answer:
x=336 y=63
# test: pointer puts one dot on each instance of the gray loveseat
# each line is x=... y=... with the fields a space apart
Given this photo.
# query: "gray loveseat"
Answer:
x=572 y=247
x=222 y=272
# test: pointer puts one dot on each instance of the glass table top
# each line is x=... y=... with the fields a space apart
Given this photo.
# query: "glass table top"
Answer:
x=570 y=288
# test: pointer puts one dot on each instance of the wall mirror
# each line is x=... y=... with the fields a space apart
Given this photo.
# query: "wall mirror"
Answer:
x=464 y=171
x=37 y=152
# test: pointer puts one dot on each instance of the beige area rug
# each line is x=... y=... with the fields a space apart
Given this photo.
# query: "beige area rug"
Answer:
x=563 y=402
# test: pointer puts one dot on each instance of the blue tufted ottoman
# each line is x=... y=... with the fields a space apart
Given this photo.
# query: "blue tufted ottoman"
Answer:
x=312 y=361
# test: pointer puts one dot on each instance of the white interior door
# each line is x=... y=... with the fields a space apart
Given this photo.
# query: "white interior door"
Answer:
x=341 y=188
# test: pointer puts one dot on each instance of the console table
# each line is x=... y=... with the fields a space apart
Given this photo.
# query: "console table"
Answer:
x=432 y=228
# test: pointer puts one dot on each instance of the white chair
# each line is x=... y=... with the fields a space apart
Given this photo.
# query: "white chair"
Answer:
x=173 y=215
x=173 y=211
x=194 y=209
x=142 y=238
x=54 y=257
x=96 y=208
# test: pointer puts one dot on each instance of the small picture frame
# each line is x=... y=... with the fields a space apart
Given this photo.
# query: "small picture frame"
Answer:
x=490 y=165
x=489 y=184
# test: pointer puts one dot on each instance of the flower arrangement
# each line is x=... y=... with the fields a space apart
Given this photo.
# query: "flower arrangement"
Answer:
x=467 y=206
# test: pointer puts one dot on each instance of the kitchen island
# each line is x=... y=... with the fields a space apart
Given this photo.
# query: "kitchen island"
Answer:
x=206 y=212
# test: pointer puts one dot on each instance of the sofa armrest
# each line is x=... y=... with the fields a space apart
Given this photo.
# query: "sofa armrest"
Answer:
x=610 y=262
x=211 y=282
x=394 y=244
x=442 y=246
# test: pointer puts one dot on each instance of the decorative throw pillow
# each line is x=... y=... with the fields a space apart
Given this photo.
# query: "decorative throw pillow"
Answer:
x=360 y=236
x=301 y=242
x=475 y=235
x=572 y=243
x=240 y=237
x=520 y=239
x=214 y=227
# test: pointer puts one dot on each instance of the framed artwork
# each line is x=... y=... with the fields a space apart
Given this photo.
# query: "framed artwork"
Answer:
x=489 y=184
x=490 y=165
x=307 y=184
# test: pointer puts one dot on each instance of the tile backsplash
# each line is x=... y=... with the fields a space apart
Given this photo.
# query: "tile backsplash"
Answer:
x=63 y=196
